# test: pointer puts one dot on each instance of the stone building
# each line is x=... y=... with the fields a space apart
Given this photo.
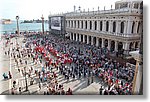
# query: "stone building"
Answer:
x=116 y=29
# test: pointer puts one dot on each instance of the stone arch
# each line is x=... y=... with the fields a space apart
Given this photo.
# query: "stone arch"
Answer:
x=136 y=45
x=114 y=26
x=78 y=37
x=82 y=24
x=112 y=46
x=101 y=25
x=90 y=25
x=131 y=46
x=89 y=39
x=100 y=42
x=107 y=26
x=141 y=5
x=122 y=27
x=85 y=37
x=139 y=24
x=106 y=43
x=133 y=24
x=78 y=24
x=120 y=46
x=94 y=40
x=81 y=38
x=72 y=36
x=75 y=36
x=74 y=24
x=95 y=23
x=85 y=24
x=69 y=23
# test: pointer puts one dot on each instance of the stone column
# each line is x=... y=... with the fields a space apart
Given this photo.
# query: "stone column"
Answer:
x=87 y=39
x=70 y=36
x=104 y=26
x=109 y=44
x=80 y=37
x=88 y=25
x=119 y=27
x=116 y=45
x=73 y=36
x=69 y=24
x=80 y=27
x=126 y=47
x=83 y=38
x=73 y=24
x=116 y=27
x=134 y=45
x=139 y=45
x=97 y=41
x=136 y=27
x=103 y=42
x=129 y=28
x=76 y=24
x=76 y=36
x=141 y=27
x=83 y=24
x=110 y=26
x=92 y=38
x=93 y=25
x=98 y=25
x=125 y=28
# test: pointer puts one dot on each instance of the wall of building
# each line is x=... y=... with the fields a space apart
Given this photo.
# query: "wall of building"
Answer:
x=112 y=28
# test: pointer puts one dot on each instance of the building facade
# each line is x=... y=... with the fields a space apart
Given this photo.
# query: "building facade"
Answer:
x=116 y=29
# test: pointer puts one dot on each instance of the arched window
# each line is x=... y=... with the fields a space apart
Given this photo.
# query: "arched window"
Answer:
x=138 y=27
x=90 y=24
x=133 y=27
x=114 y=26
x=74 y=24
x=69 y=24
x=122 y=27
x=107 y=26
x=85 y=24
x=95 y=25
x=101 y=25
x=82 y=24
x=141 y=5
x=78 y=24
x=136 y=5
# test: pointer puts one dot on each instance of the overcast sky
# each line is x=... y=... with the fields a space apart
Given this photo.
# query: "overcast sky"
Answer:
x=33 y=9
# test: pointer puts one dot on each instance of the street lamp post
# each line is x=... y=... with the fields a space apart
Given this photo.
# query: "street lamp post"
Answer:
x=26 y=79
x=42 y=24
x=17 y=18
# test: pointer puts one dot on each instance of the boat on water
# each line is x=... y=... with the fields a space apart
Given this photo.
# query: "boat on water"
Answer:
x=5 y=21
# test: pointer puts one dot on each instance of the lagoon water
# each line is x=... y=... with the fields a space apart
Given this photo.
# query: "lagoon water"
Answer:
x=11 y=28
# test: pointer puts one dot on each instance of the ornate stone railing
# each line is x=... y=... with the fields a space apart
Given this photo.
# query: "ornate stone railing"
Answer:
x=112 y=11
x=106 y=33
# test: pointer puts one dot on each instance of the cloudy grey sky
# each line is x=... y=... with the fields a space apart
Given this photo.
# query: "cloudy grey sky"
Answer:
x=33 y=9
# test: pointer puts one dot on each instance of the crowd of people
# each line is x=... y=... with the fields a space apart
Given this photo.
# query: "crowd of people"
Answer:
x=89 y=61
x=85 y=61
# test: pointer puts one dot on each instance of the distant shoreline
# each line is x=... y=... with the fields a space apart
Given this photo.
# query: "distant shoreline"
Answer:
x=34 y=21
